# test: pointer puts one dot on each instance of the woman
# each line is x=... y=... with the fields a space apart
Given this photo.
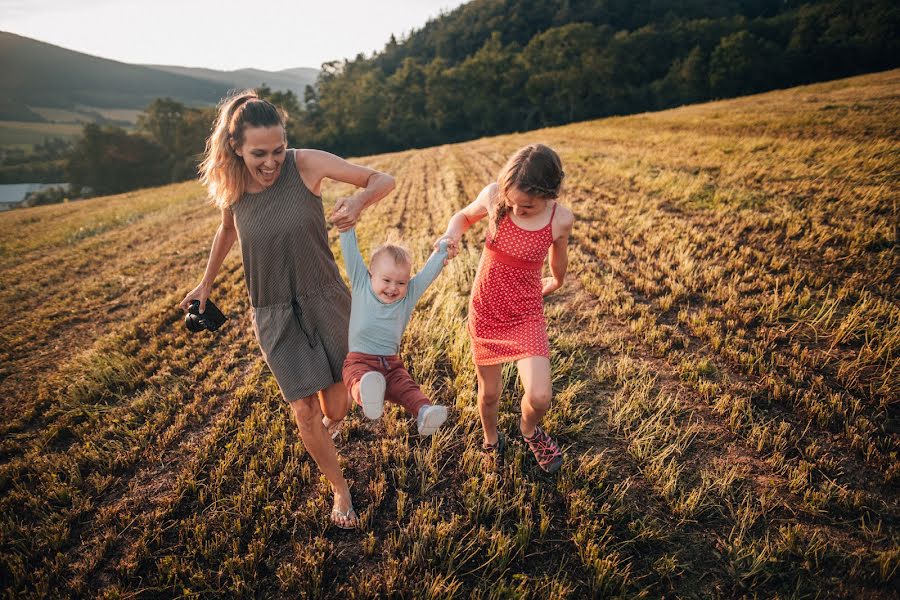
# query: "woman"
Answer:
x=270 y=200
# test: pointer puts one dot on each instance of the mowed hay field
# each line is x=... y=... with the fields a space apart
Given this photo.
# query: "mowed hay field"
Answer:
x=725 y=358
x=22 y=135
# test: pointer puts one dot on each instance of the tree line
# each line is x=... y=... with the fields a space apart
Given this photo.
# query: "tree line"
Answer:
x=497 y=66
x=514 y=65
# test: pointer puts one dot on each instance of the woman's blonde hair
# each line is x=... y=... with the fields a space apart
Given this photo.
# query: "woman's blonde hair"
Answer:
x=535 y=170
x=222 y=170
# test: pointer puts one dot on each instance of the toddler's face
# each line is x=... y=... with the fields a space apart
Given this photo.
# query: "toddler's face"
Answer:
x=524 y=205
x=390 y=280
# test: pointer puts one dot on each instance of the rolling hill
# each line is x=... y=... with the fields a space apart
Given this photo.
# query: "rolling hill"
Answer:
x=725 y=356
x=294 y=80
x=45 y=82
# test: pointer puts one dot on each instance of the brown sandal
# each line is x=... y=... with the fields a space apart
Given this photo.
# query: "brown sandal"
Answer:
x=338 y=516
x=333 y=428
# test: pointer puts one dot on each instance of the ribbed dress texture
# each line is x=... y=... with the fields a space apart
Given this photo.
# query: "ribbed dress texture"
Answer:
x=300 y=304
x=506 y=310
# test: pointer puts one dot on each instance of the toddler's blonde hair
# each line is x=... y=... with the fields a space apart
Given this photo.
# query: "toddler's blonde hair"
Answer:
x=399 y=254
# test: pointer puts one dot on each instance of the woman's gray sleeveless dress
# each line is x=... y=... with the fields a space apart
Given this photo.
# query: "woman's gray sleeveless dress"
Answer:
x=301 y=306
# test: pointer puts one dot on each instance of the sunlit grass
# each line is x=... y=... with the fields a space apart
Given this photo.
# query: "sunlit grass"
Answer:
x=725 y=360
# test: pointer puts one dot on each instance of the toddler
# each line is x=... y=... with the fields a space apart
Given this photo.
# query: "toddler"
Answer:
x=383 y=298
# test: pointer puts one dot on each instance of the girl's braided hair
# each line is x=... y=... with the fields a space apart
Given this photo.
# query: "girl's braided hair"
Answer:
x=534 y=170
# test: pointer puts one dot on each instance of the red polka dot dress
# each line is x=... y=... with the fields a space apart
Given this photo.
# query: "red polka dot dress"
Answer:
x=506 y=311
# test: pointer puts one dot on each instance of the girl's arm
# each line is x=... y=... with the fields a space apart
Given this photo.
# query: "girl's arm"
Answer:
x=465 y=218
x=224 y=239
x=559 y=252
x=316 y=165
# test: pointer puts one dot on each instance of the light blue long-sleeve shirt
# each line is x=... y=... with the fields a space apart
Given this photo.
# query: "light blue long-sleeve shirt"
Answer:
x=376 y=327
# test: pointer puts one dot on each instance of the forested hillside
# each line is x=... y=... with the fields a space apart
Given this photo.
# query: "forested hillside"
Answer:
x=495 y=66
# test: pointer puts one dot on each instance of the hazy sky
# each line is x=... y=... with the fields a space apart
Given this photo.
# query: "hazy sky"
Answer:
x=219 y=34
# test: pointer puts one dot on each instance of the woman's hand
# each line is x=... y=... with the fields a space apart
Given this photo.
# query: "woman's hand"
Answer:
x=549 y=285
x=346 y=212
x=201 y=293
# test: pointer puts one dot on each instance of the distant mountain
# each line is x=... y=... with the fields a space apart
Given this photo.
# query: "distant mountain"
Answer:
x=294 y=80
x=37 y=75
x=301 y=72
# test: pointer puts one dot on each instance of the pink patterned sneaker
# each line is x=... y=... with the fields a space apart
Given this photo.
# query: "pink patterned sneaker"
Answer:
x=546 y=451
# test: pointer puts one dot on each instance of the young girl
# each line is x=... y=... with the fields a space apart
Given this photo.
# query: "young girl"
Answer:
x=506 y=311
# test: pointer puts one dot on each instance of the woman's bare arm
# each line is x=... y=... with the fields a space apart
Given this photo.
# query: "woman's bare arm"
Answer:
x=223 y=240
x=316 y=165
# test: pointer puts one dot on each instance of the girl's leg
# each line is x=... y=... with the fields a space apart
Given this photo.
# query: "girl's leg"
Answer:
x=365 y=380
x=488 y=399
x=308 y=416
x=534 y=372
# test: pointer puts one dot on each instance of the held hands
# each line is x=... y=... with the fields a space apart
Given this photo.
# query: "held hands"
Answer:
x=346 y=212
x=452 y=246
x=549 y=285
x=201 y=293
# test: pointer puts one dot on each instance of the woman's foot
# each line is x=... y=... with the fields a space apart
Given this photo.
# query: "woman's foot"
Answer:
x=430 y=417
x=342 y=513
x=332 y=427
x=371 y=394
x=545 y=450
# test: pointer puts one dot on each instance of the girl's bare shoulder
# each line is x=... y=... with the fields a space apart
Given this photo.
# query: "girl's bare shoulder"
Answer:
x=489 y=194
x=310 y=158
x=563 y=220
x=491 y=188
x=564 y=215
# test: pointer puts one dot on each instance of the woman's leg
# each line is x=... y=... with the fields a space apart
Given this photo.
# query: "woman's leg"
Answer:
x=335 y=401
x=308 y=416
x=534 y=372
x=488 y=399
